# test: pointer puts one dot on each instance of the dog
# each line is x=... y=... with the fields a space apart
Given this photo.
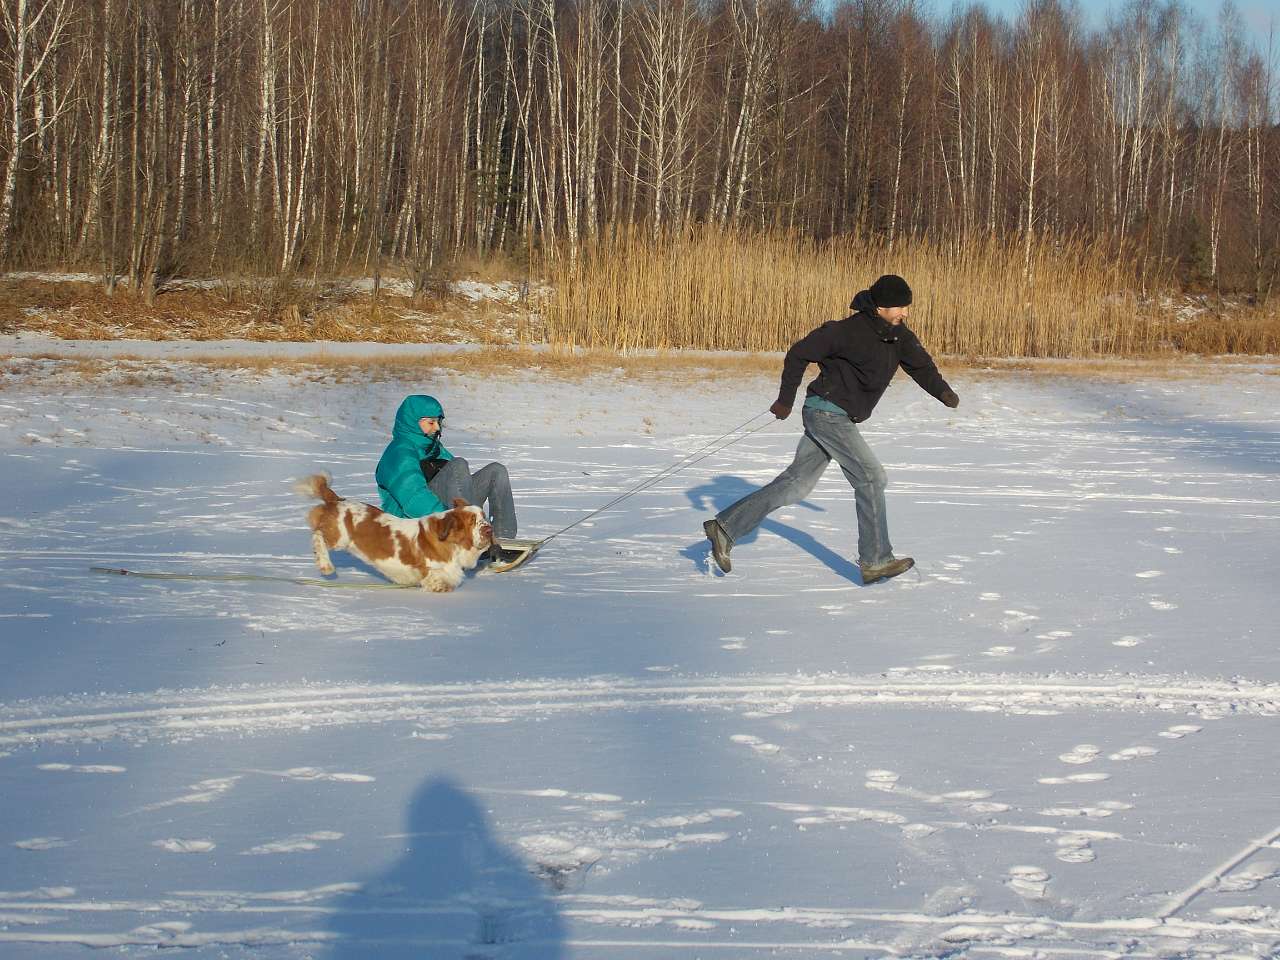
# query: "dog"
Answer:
x=431 y=551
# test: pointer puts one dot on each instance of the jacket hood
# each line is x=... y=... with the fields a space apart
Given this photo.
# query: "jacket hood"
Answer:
x=865 y=304
x=412 y=409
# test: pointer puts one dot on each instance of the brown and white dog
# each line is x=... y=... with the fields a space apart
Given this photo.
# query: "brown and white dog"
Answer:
x=432 y=551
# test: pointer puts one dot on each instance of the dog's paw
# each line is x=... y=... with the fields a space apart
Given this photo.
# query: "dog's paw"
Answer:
x=327 y=569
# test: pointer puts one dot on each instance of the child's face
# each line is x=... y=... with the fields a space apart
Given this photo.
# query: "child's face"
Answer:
x=429 y=425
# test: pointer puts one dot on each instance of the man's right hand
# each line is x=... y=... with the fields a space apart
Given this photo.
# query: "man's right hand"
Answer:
x=780 y=410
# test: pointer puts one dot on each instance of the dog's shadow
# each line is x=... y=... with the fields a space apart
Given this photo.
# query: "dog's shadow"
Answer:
x=344 y=562
x=724 y=490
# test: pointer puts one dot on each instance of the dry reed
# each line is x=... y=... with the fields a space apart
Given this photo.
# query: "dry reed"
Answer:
x=712 y=289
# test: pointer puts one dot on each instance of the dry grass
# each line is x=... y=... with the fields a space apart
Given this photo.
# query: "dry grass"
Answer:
x=276 y=311
x=712 y=289
x=707 y=289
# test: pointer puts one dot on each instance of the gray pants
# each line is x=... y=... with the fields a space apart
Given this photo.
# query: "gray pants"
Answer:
x=490 y=483
x=827 y=437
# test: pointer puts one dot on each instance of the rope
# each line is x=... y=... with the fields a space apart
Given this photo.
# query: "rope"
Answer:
x=241 y=577
x=688 y=460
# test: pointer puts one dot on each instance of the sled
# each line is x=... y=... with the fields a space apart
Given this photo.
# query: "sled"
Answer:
x=517 y=554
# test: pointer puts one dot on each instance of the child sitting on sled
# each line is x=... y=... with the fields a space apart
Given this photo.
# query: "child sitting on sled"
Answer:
x=417 y=475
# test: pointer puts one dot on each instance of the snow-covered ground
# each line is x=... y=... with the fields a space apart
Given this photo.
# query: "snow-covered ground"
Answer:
x=1057 y=737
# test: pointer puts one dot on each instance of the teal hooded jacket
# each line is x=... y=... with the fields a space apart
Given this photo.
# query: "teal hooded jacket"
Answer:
x=399 y=475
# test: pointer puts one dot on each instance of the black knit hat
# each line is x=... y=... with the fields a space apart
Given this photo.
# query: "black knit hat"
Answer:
x=891 y=291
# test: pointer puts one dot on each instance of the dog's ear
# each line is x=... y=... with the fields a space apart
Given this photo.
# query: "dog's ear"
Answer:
x=459 y=503
x=441 y=526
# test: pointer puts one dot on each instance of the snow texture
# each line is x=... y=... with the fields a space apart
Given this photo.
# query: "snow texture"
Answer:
x=1055 y=738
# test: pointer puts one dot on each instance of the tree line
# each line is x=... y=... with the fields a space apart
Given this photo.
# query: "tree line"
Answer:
x=154 y=138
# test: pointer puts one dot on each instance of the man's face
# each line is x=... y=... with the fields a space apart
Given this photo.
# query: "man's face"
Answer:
x=894 y=315
x=429 y=425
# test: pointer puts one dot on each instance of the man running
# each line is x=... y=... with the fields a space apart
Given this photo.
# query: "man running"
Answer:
x=857 y=357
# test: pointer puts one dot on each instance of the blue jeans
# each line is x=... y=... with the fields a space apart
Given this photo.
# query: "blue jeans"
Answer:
x=827 y=437
x=489 y=483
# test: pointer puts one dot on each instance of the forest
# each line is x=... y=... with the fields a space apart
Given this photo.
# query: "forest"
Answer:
x=151 y=139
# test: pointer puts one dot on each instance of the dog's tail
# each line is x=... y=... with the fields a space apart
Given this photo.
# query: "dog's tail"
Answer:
x=316 y=485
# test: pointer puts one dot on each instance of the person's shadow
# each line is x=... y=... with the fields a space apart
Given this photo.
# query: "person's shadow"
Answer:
x=719 y=492
x=456 y=893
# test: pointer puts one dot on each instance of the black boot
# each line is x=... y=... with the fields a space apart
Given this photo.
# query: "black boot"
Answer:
x=720 y=543
x=885 y=571
x=498 y=555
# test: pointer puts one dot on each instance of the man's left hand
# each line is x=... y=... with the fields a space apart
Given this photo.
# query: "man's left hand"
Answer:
x=950 y=399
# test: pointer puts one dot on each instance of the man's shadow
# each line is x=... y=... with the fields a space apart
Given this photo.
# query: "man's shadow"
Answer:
x=456 y=893
x=721 y=491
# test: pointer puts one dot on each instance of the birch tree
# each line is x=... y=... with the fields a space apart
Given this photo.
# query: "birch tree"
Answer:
x=35 y=30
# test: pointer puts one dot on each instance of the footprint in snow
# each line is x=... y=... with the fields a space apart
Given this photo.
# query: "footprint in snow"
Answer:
x=989 y=596
x=1081 y=753
x=1249 y=878
x=883 y=780
x=689 y=923
x=1156 y=603
x=1098 y=811
x=1075 y=778
x=918 y=831
x=1133 y=753
x=179 y=845
x=998 y=651
x=82 y=768
x=692 y=819
x=1252 y=914
x=755 y=743
x=558 y=859
x=1126 y=642
x=988 y=806
x=1017 y=618
x=1074 y=848
x=41 y=843
x=1028 y=882
x=318 y=773
x=967 y=795
x=294 y=844
x=733 y=643
x=1180 y=731
x=206 y=791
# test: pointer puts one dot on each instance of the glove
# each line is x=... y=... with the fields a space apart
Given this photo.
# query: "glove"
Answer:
x=950 y=399
x=780 y=410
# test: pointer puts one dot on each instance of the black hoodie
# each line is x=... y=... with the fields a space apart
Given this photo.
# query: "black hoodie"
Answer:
x=858 y=356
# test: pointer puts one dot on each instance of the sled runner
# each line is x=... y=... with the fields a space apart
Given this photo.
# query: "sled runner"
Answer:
x=515 y=553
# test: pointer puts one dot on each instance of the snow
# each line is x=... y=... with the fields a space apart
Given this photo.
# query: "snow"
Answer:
x=504 y=291
x=1055 y=738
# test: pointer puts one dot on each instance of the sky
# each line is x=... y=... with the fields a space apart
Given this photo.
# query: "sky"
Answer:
x=1259 y=17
